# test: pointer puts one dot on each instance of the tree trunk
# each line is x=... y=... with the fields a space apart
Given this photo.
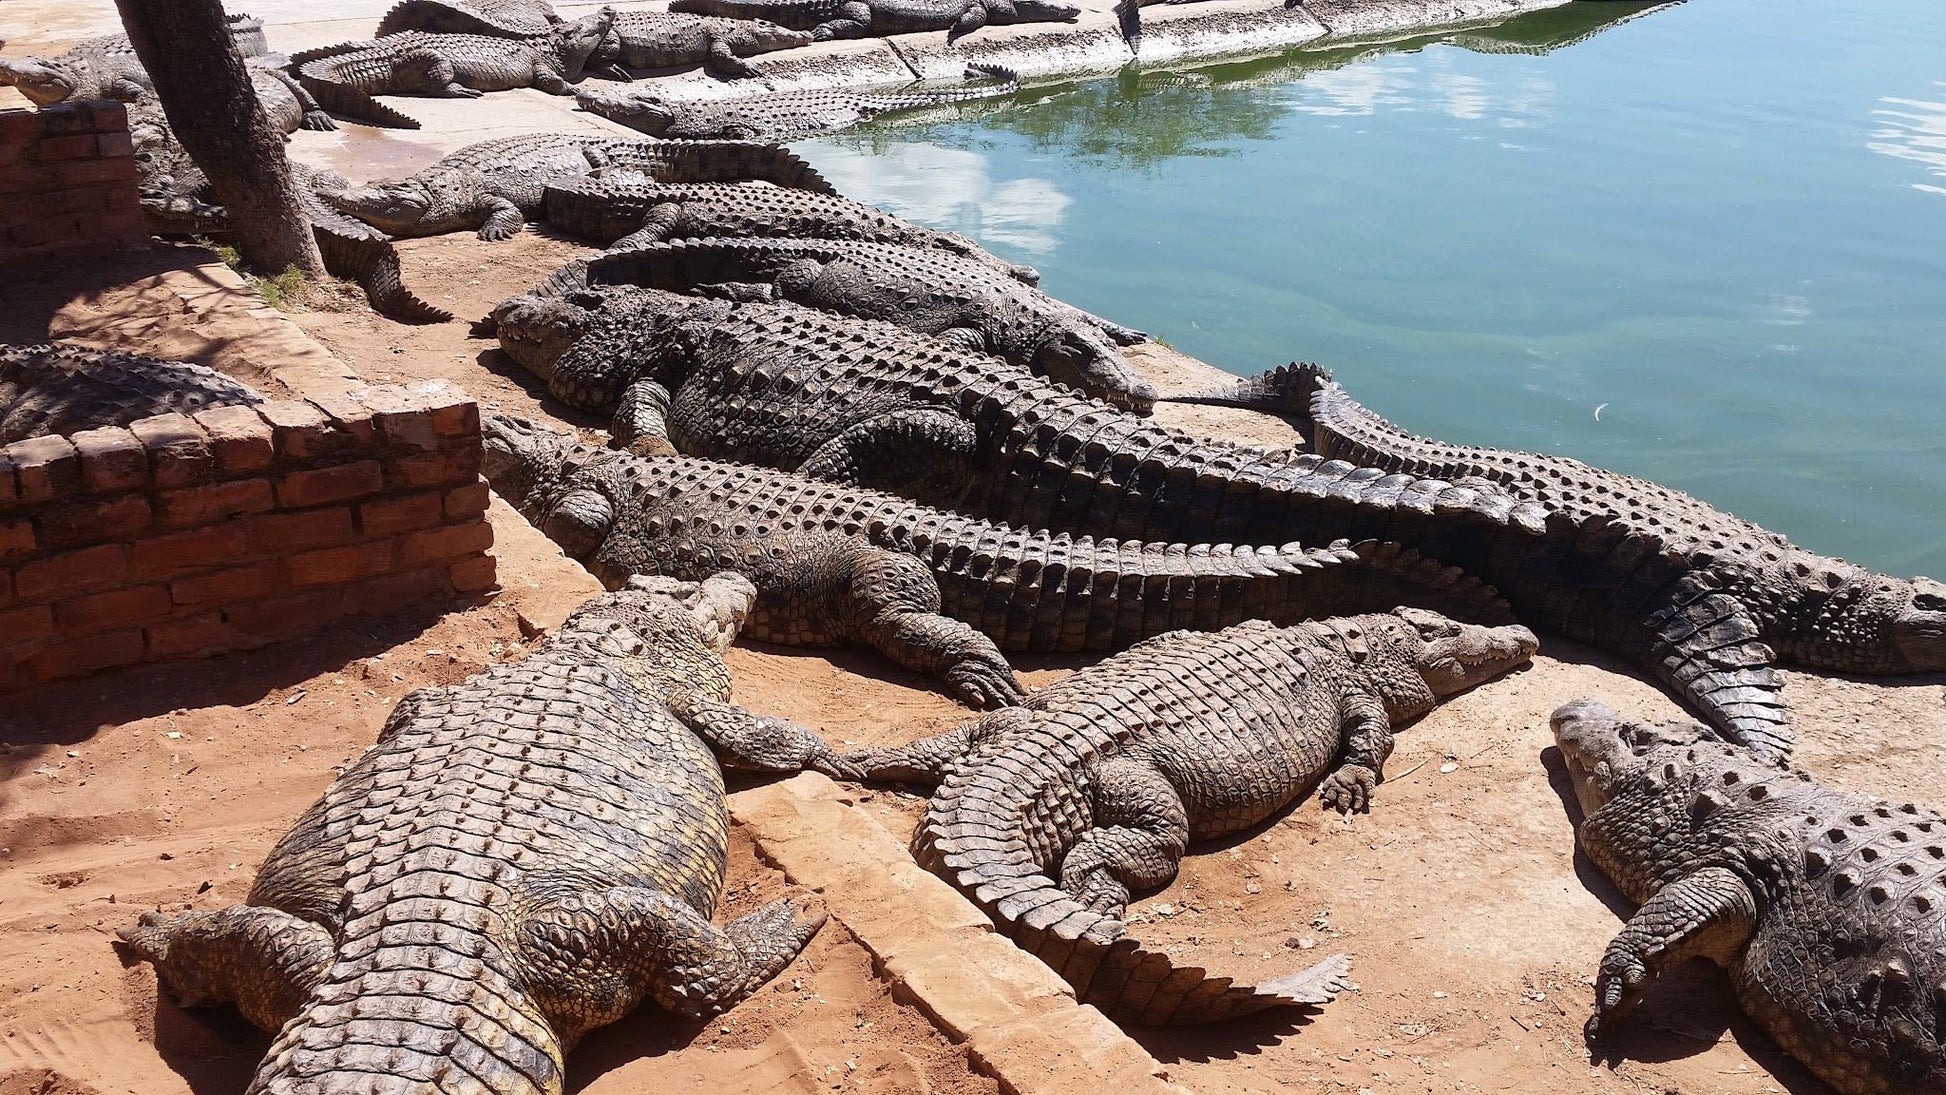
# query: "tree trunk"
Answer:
x=211 y=105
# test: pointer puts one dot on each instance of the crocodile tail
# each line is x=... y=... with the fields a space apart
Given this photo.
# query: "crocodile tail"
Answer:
x=348 y=101
x=374 y=265
x=971 y=836
x=723 y=161
x=1287 y=389
x=1404 y=575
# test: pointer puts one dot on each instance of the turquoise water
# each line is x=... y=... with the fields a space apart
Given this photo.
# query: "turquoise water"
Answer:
x=1706 y=245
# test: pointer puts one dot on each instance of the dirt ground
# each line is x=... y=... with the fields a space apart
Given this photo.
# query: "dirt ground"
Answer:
x=1473 y=924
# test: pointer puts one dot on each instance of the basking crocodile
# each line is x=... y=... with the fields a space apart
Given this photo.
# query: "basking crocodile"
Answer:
x=520 y=859
x=495 y=185
x=1825 y=906
x=345 y=77
x=638 y=39
x=121 y=77
x=779 y=115
x=105 y=68
x=937 y=592
x=1726 y=595
x=499 y=18
x=1049 y=814
x=827 y=19
x=625 y=208
x=961 y=300
x=60 y=389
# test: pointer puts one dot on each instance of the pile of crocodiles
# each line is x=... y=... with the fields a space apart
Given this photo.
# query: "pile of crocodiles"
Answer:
x=826 y=425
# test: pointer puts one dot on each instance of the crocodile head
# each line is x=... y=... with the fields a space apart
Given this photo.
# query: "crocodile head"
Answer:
x=403 y=207
x=1035 y=11
x=1604 y=751
x=1919 y=624
x=1082 y=358
x=1440 y=656
x=764 y=36
x=576 y=42
x=636 y=110
x=44 y=83
x=670 y=634
x=1880 y=626
x=535 y=330
x=538 y=471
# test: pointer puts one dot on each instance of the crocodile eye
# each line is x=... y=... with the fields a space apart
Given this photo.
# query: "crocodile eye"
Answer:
x=1929 y=602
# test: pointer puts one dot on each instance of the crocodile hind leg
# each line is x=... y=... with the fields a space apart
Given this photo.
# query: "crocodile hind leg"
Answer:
x=1710 y=913
x=758 y=743
x=724 y=64
x=593 y=956
x=896 y=602
x=930 y=760
x=854 y=20
x=1140 y=832
x=429 y=73
x=264 y=960
x=657 y=225
x=885 y=452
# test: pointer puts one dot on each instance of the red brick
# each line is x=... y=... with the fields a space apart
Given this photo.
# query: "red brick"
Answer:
x=45 y=468
x=114 y=144
x=404 y=420
x=467 y=503
x=88 y=655
x=338 y=565
x=454 y=413
x=321 y=486
x=347 y=415
x=63 y=201
x=475 y=574
x=178 y=452
x=389 y=516
x=19 y=126
x=247 y=583
x=112 y=459
x=66 y=118
x=388 y=591
x=25 y=630
x=163 y=556
x=302 y=432
x=46 y=232
x=193 y=637
x=88 y=172
x=239 y=438
x=115 y=608
x=77 y=147
x=254 y=623
x=116 y=223
x=213 y=502
x=449 y=542
x=6 y=587
x=282 y=533
x=96 y=522
x=16 y=538
x=83 y=571
x=9 y=484
x=451 y=468
x=108 y=116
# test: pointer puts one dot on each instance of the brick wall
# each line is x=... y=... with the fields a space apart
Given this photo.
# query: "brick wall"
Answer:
x=184 y=536
x=67 y=182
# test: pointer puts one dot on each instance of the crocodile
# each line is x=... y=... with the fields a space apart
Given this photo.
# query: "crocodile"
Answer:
x=345 y=77
x=58 y=388
x=1048 y=815
x=938 y=592
x=638 y=39
x=827 y=19
x=498 y=18
x=624 y=208
x=1769 y=600
x=779 y=115
x=105 y=68
x=495 y=185
x=520 y=859
x=1825 y=906
x=960 y=300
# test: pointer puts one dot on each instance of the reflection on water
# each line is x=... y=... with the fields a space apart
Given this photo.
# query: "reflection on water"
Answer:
x=1704 y=222
x=1912 y=129
x=951 y=189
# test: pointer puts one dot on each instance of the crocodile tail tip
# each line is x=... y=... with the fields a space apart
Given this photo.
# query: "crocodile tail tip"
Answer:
x=1287 y=389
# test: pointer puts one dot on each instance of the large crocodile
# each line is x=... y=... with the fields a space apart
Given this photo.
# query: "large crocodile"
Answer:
x=120 y=76
x=827 y=19
x=625 y=207
x=61 y=388
x=495 y=185
x=105 y=68
x=1049 y=814
x=520 y=859
x=501 y=18
x=1825 y=906
x=937 y=592
x=638 y=39
x=345 y=77
x=962 y=300
x=1769 y=599
x=779 y=115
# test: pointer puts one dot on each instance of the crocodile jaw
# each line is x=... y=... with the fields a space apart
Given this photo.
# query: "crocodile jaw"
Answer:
x=44 y=83
x=1919 y=627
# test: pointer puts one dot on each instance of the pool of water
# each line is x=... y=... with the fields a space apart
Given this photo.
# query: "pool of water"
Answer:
x=1704 y=244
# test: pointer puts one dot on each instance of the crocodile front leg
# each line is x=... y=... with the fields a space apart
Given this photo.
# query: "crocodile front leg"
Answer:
x=641 y=422
x=970 y=20
x=896 y=602
x=264 y=960
x=854 y=21
x=1140 y=832
x=724 y=64
x=551 y=81
x=1367 y=735
x=593 y=956
x=1711 y=913
x=758 y=743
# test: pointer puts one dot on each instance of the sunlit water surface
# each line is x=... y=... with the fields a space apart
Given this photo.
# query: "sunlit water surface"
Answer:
x=1705 y=244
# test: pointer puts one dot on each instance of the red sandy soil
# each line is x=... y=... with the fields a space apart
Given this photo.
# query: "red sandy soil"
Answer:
x=1474 y=926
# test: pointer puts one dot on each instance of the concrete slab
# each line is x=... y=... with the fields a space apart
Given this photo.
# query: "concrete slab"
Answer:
x=1221 y=27
x=1361 y=19
x=1019 y=1020
x=1037 y=51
